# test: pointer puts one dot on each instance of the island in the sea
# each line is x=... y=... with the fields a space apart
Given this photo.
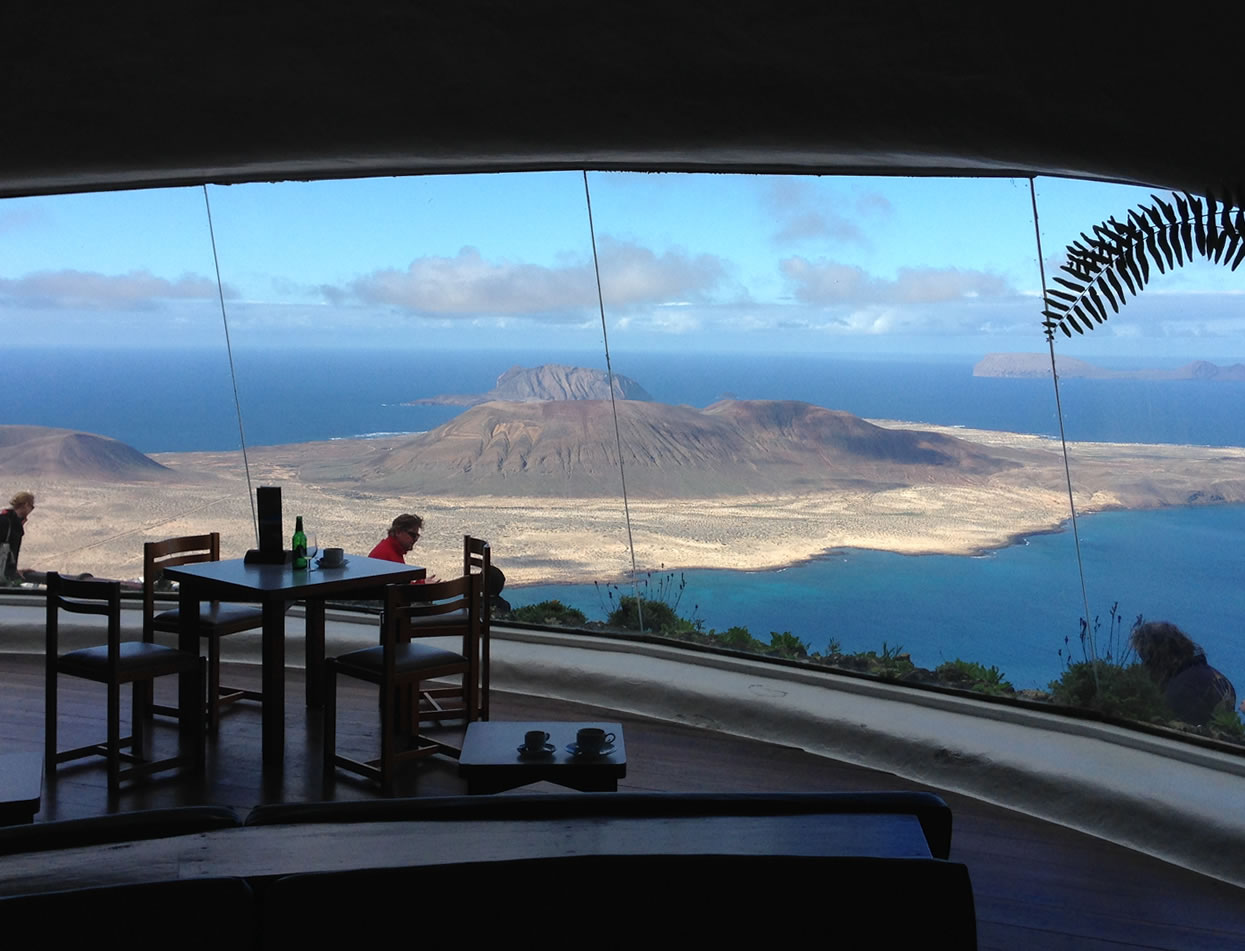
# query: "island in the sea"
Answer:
x=1027 y=366
x=550 y=381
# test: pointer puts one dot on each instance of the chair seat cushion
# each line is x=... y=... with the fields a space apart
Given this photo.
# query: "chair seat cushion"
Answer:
x=408 y=658
x=215 y=617
x=136 y=657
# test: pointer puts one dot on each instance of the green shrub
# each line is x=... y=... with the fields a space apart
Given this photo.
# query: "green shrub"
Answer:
x=740 y=639
x=787 y=644
x=553 y=613
x=971 y=675
x=1119 y=691
x=1228 y=723
x=659 y=617
x=893 y=662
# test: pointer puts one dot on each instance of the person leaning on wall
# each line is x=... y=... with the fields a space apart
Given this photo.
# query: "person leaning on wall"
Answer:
x=1193 y=689
x=13 y=529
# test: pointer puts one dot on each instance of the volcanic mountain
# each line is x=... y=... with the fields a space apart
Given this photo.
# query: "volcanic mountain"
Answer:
x=568 y=448
x=551 y=381
x=37 y=450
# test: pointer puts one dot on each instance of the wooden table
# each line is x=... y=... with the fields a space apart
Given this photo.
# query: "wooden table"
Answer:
x=21 y=787
x=491 y=761
x=272 y=586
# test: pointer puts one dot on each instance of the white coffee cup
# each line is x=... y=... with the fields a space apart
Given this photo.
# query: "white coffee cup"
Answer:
x=332 y=558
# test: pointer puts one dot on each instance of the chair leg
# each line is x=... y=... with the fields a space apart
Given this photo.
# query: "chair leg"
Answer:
x=114 y=737
x=484 y=685
x=213 y=685
x=49 y=723
x=387 y=738
x=330 y=719
x=200 y=732
x=138 y=714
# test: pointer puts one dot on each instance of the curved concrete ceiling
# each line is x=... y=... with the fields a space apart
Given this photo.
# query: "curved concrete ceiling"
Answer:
x=143 y=94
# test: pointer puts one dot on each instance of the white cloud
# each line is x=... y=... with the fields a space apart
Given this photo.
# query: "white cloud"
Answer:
x=87 y=289
x=802 y=211
x=19 y=218
x=468 y=285
x=826 y=282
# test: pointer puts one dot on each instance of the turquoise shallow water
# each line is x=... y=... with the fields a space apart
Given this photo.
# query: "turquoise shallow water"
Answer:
x=1011 y=608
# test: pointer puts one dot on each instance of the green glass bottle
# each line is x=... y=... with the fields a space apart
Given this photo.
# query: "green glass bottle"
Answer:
x=299 y=544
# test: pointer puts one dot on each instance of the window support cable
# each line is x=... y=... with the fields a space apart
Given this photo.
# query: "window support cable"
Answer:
x=233 y=375
x=609 y=372
x=1063 y=442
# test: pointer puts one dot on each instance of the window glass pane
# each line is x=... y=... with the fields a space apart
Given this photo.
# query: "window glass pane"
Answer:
x=838 y=427
x=110 y=309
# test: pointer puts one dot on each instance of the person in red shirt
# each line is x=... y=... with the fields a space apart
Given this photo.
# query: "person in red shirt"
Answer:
x=401 y=538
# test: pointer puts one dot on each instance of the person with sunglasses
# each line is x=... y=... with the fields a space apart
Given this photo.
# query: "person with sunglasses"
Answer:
x=400 y=539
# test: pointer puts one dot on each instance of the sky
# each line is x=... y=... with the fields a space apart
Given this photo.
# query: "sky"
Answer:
x=730 y=263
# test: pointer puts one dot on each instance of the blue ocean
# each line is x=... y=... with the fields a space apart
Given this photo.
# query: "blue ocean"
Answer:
x=1012 y=608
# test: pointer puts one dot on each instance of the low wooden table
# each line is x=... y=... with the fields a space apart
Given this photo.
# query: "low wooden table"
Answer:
x=21 y=787
x=491 y=761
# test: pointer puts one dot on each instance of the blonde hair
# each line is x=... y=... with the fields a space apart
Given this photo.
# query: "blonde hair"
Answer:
x=22 y=498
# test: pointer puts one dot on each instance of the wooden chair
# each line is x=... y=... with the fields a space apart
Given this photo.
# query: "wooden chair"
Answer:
x=399 y=666
x=118 y=662
x=476 y=561
x=216 y=620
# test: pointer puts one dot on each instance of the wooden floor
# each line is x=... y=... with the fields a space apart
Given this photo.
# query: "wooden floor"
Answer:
x=1037 y=885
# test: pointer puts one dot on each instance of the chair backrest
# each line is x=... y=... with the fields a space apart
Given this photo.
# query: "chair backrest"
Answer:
x=169 y=553
x=408 y=603
x=476 y=556
x=102 y=598
x=477 y=560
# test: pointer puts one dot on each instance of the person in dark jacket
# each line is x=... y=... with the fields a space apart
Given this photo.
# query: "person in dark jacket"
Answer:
x=1193 y=689
x=12 y=528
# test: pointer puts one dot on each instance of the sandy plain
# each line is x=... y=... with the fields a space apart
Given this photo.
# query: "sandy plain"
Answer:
x=100 y=527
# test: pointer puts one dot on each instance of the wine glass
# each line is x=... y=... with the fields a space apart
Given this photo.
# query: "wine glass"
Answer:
x=313 y=549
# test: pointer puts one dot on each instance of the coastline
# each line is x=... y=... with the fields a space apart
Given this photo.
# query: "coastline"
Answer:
x=1018 y=539
x=100 y=527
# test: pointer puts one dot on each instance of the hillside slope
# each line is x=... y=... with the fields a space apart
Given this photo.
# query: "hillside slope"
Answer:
x=732 y=448
x=44 y=452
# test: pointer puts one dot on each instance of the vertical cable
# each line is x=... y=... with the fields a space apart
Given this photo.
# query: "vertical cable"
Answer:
x=609 y=372
x=1063 y=441
x=233 y=376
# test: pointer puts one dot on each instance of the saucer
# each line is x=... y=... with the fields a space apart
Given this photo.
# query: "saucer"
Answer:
x=543 y=751
x=574 y=750
x=323 y=567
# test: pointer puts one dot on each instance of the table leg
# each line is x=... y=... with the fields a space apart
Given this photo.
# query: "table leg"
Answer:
x=315 y=653
x=274 y=684
x=189 y=702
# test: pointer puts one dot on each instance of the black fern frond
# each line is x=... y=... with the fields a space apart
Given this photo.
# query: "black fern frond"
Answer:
x=1115 y=262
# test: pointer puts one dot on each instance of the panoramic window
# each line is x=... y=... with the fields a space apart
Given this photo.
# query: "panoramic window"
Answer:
x=829 y=402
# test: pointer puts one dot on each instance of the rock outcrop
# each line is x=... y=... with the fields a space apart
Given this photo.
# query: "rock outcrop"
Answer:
x=550 y=381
